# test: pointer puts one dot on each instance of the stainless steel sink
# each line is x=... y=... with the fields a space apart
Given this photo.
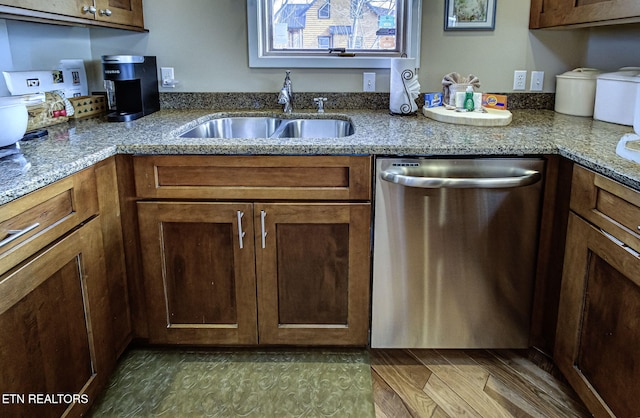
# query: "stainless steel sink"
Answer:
x=314 y=128
x=235 y=127
x=270 y=127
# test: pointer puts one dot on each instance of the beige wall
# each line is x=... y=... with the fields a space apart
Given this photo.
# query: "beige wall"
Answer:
x=206 y=42
x=207 y=47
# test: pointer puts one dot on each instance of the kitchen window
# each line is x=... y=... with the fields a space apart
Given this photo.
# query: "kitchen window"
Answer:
x=300 y=33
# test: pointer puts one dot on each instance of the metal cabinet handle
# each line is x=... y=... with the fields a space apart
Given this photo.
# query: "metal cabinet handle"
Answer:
x=241 y=234
x=14 y=234
x=526 y=178
x=620 y=243
x=89 y=9
x=263 y=215
x=105 y=12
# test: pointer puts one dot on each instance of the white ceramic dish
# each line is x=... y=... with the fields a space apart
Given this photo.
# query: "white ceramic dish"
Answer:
x=13 y=123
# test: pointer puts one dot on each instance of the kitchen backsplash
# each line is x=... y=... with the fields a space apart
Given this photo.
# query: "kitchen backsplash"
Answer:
x=304 y=101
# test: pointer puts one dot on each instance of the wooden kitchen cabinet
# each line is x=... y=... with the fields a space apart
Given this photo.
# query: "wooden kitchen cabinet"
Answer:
x=551 y=13
x=313 y=273
x=64 y=315
x=282 y=259
x=122 y=14
x=598 y=331
x=199 y=276
x=114 y=253
x=54 y=324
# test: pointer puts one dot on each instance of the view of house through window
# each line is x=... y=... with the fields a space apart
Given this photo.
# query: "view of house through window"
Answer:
x=313 y=25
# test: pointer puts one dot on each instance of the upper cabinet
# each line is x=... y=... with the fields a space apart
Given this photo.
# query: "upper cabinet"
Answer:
x=550 y=13
x=122 y=14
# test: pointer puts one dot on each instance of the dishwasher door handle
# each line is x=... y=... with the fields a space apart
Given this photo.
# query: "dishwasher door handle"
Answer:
x=524 y=178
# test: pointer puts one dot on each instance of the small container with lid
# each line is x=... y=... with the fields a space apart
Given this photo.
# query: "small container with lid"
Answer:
x=616 y=96
x=576 y=92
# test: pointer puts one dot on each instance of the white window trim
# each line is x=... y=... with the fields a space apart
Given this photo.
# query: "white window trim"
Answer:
x=259 y=60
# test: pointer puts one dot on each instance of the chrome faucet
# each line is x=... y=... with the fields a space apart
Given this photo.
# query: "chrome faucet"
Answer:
x=286 y=94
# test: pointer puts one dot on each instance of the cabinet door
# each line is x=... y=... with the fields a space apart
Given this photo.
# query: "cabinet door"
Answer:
x=124 y=12
x=65 y=7
x=598 y=331
x=199 y=272
x=547 y=13
x=313 y=273
x=53 y=326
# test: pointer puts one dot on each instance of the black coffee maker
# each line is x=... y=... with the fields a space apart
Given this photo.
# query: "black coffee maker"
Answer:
x=131 y=82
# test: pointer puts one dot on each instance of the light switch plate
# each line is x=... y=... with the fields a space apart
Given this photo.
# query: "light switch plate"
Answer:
x=537 y=80
x=369 y=82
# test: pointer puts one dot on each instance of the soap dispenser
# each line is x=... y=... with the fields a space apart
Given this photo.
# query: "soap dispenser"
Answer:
x=468 y=99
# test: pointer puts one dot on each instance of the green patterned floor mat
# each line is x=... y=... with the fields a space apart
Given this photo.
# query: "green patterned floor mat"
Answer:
x=244 y=383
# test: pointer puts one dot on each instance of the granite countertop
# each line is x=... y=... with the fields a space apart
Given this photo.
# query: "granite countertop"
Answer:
x=75 y=145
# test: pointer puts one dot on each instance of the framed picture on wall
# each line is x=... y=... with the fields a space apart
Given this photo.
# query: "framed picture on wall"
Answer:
x=470 y=14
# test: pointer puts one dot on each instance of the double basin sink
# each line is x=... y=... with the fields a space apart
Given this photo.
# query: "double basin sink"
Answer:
x=270 y=127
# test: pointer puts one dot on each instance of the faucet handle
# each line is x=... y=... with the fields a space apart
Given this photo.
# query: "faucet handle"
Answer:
x=320 y=103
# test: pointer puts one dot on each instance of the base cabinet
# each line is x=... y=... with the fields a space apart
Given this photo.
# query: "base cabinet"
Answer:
x=54 y=323
x=199 y=273
x=598 y=332
x=312 y=262
x=267 y=250
x=256 y=273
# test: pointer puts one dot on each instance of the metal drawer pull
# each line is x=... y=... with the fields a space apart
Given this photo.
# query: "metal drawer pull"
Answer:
x=89 y=9
x=14 y=234
x=620 y=243
x=105 y=12
x=240 y=232
x=263 y=215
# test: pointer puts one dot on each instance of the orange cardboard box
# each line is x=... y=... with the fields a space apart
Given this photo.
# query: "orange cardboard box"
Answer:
x=494 y=101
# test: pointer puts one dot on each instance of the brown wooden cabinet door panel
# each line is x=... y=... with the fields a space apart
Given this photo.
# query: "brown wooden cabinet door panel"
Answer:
x=61 y=7
x=54 y=326
x=313 y=273
x=599 y=322
x=53 y=210
x=549 y=13
x=200 y=283
x=124 y=12
x=253 y=177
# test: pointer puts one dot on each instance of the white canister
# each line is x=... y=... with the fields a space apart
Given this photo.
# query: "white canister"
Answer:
x=616 y=96
x=576 y=92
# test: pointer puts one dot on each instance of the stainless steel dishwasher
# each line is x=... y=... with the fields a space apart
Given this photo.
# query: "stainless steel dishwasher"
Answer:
x=455 y=246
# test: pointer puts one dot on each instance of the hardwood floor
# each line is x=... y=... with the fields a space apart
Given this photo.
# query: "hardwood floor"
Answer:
x=467 y=383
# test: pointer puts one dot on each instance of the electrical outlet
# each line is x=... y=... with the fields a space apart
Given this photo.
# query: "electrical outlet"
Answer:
x=537 y=80
x=520 y=80
x=369 y=82
x=167 y=76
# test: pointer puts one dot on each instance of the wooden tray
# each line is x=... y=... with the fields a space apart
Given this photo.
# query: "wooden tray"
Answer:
x=493 y=117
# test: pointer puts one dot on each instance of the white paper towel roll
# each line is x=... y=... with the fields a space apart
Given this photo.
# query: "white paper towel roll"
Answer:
x=404 y=89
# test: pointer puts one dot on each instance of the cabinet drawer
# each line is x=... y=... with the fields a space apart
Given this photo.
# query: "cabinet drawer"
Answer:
x=33 y=221
x=253 y=177
x=608 y=205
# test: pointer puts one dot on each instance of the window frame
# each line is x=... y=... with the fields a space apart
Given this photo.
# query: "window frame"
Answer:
x=259 y=59
x=327 y=14
x=327 y=38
